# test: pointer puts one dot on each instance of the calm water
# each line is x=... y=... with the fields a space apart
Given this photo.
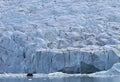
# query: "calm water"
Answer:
x=67 y=79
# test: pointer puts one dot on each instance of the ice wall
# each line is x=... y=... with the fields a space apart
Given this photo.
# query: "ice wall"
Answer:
x=114 y=71
x=71 y=60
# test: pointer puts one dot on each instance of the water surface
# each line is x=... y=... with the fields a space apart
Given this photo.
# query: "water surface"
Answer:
x=63 y=79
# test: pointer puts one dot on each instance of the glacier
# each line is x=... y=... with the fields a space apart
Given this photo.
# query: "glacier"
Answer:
x=113 y=71
x=69 y=36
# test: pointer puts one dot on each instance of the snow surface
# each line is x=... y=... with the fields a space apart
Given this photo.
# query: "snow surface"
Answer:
x=43 y=36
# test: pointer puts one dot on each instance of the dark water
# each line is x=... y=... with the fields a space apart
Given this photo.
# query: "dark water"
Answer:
x=67 y=79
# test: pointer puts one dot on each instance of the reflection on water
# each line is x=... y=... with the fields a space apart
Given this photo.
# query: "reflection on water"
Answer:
x=66 y=79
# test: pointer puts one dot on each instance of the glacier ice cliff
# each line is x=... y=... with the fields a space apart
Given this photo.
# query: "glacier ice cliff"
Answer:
x=84 y=60
x=114 y=71
x=70 y=36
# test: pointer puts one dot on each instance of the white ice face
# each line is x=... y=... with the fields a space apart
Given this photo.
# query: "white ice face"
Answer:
x=56 y=29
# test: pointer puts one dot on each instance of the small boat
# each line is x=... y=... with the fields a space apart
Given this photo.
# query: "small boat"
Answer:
x=29 y=75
